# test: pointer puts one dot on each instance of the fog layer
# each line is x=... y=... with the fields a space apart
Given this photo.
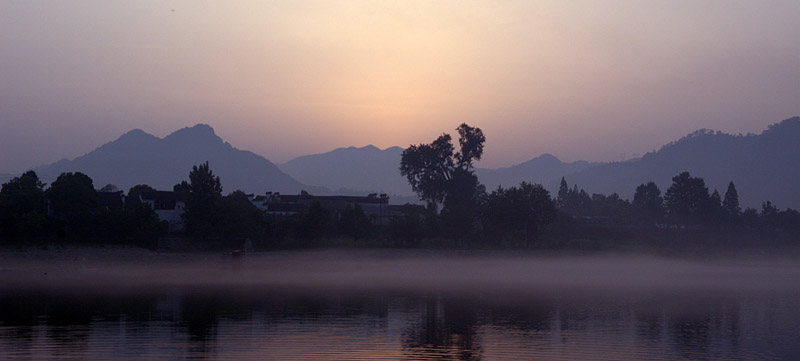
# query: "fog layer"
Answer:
x=394 y=270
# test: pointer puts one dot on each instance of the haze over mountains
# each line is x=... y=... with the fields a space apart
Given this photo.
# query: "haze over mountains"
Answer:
x=137 y=157
x=763 y=167
x=366 y=169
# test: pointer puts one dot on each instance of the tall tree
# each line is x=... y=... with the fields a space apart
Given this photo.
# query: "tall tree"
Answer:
x=647 y=202
x=205 y=191
x=438 y=174
x=73 y=201
x=430 y=168
x=713 y=212
x=72 y=195
x=22 y=205
x=521 y=211
x=687 y=197
x=731 y=201
x=563 y=194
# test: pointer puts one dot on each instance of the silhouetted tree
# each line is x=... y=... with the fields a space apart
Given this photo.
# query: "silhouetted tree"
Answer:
x=750 y=218
x=518 y=211
x=563 y=194
x=647 y=203
x=205 y=190
x=713 y=212
x=22 y=205
x=109 y=188
x=438 y=175
x=731 y=202
x=614 y=208
x=72 y=201
x=460 y=208
x=687 y=197
x=182 y=189
x=789 y=220
x=354 y=222
x=238 y=218
x=430 y=168
x=135 y=192
x=769 y=214
x=411 y=226
x=575 y=202
x=313 y=222
x=72 y=195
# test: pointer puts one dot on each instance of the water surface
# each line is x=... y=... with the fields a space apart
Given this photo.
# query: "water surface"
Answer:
x=398 y=305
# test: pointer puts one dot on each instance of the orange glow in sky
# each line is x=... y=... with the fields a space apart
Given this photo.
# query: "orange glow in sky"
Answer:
x=580 y=79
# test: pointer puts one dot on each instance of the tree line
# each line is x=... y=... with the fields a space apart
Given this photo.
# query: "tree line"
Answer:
x=444 y=178
x=458 y=210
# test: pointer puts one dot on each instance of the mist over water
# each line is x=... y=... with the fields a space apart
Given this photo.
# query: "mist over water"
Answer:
x=409 y=270
x=351 y=305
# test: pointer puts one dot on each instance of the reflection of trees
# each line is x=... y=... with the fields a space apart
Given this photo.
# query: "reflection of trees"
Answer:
x=694 y=327
x=690 y=333
x=648 y=324
x=446 y=328
x=525 y=314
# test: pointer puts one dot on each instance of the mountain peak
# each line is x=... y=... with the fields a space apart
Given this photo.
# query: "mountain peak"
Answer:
x=135 y=135
x=548 y=157
x=198 y=131
x=784 y=125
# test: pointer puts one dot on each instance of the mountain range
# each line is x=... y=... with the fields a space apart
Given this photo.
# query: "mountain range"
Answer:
x=365 y=169
x=763 y=167
x=137 y=157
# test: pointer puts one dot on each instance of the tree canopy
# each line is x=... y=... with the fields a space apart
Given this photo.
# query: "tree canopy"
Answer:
x=22 y=205
x=204 y=193
x=72 y=195
x=430 y=168
x=687 y=196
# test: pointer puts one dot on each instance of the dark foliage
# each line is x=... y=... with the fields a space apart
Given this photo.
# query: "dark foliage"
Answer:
x=647 y=205
x=519 y=212
x=22 y=206
x=204 y=193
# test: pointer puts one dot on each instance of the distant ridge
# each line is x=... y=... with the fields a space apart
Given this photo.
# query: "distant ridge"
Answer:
x=137 y=157
x=364 y=169
x=544 y=169
x=763 y=167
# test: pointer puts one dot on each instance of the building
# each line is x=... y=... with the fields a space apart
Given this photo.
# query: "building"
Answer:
x=375 y=207
x=111 y=200
x=168 y=206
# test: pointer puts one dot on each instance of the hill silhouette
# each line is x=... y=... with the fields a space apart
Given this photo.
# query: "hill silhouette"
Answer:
x=544 y=169
x=137 y=157
x=763 y=167
x=364 y=169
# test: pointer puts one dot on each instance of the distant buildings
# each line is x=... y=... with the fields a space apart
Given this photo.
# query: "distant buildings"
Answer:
x=168 y=206
x=111 y=200
x=375 y=207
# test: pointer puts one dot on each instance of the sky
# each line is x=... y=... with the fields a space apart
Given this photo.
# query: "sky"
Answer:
x=582 y=80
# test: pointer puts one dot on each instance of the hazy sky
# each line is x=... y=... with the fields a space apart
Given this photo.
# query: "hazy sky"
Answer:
x=593 y=80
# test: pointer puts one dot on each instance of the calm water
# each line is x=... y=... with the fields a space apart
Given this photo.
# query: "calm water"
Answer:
x=309 y=321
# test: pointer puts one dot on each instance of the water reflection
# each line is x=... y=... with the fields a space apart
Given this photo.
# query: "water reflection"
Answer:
x=229 y=322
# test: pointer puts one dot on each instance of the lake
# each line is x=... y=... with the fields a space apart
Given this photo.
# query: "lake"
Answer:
x=393 y=305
